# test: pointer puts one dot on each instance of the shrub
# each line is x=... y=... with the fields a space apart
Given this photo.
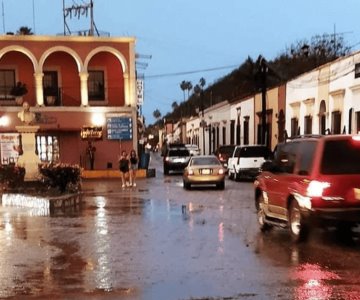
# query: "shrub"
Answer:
x=12 y=176
x=64 y=177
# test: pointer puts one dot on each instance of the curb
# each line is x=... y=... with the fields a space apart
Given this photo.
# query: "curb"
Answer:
x=90 y=174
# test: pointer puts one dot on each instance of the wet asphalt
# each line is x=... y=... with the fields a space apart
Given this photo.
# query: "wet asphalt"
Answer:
x=159 y=241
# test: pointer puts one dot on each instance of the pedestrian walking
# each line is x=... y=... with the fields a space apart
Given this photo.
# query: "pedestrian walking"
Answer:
x=124 y=168
x=90 y=153
x=133 y=167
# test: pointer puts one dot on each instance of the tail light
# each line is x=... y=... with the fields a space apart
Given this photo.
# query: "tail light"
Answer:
x=221 y=171
x=316 y=188
x=191 y=172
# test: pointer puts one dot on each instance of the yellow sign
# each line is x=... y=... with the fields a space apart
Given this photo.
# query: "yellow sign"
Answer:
x=91 y=133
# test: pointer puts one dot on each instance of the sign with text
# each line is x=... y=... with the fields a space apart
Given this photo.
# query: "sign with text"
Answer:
x=119 y=128
x=140 y=91
x=10 y=147
x=91 y=133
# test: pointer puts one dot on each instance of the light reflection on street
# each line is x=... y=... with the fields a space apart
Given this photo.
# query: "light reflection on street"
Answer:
x=315 y=282
x=102 y=242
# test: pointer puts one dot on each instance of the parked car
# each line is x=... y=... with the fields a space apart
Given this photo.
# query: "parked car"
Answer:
x=175 y=159
x=194 y=149
x=224 y=152
x=311 y=181
x=245 y=162
x=204 y=169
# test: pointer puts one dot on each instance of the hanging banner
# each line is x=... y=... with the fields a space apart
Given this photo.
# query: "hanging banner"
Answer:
x=10 y=147
x=140 y=91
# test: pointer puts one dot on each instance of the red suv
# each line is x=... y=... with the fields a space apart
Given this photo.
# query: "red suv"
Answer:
x=312 y=180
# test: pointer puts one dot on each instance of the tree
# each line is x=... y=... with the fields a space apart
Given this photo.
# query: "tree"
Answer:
x=24 y=30
x=174 y=105
x=189 y=87
x=183 y=86
x=157 y=114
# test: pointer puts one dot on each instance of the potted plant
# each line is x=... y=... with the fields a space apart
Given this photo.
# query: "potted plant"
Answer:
x=50 y=94
x=18 y=91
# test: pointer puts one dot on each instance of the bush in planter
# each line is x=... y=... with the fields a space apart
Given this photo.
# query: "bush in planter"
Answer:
x=19 y=89
x=63 y=177
x=12 y=176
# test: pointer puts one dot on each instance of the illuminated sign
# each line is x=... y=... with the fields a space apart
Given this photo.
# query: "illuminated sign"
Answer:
x=91 y=133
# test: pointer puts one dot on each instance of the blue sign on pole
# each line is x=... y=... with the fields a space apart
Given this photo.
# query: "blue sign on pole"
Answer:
x=119 y=128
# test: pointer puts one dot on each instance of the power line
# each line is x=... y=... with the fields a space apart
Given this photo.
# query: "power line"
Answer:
x=190 y=72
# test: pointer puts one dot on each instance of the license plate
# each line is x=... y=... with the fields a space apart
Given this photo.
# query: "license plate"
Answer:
x=357 y=194
x=205 y=171
x=179 y=160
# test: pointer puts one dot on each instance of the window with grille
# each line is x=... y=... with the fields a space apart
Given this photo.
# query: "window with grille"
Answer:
x=47 y=148
x=7 y=82
x=96 y=85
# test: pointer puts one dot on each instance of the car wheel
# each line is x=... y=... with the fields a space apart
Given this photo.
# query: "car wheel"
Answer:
x=230 y=174
x=236 y=176
x=186 y=185
x=298 y=230
x=261 y=213
x=221 y=185
x=166 y=171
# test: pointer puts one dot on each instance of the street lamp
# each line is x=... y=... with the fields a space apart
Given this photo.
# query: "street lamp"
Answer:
x=263 y=70
x=200 y=93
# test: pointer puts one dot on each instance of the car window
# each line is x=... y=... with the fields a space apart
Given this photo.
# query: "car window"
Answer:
x=179 y=152
x=254 y=152
x=205 y=161
x=285 y=157
x=341 y=157
x=306 y=155
x=228 y=150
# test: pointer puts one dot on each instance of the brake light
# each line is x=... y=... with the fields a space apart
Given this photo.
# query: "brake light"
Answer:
x=167 y=158
x=316 y=188
x=190 y=172
x=356 y=138
x=221 y=171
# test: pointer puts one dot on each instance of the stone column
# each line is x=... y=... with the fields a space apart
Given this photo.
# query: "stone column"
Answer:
x=84 y=88
x=39 y=88
x=29 y=160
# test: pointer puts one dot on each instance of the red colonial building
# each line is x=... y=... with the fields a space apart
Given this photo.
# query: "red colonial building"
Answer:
x=80 y=89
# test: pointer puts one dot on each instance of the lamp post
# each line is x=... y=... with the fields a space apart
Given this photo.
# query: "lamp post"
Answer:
x=263 y=69
x=200 y=93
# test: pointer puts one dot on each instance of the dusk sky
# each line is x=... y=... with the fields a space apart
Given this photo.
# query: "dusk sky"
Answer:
x=190 y=39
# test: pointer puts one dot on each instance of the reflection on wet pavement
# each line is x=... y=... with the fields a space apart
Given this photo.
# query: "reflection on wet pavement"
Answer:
x=164 y=243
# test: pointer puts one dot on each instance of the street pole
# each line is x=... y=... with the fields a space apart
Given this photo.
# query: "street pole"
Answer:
x=202 y=112
x=263 y=74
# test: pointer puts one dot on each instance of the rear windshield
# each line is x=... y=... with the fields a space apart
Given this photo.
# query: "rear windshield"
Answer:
x=205 y=161
x=179 y=152
x=254 y=152
x=226 y=150
x=341 y=157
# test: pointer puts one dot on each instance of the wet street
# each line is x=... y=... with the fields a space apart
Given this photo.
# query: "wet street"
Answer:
x=159 y=241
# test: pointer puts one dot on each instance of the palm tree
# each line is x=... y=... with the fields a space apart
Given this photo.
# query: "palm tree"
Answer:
x=157 y=114
x=174 y=105
x=189 y=87
x=24 y=30
x=184 y=86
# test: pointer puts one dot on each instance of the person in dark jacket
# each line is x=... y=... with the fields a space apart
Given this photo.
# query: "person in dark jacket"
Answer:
x=124 y=166
x=133 y=167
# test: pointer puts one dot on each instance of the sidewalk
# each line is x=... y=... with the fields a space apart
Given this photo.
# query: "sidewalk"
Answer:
x=140 y=173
